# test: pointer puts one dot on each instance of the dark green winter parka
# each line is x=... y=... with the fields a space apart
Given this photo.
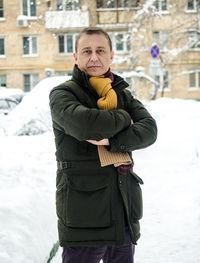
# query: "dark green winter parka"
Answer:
x=93 y=202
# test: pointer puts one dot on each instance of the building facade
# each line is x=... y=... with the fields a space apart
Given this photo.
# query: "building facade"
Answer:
x=37 y=40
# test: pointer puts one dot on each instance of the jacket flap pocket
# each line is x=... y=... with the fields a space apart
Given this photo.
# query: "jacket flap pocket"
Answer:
x=87 y=183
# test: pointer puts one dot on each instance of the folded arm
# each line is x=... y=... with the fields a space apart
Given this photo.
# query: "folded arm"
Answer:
x=82 y=122
x=141 y=134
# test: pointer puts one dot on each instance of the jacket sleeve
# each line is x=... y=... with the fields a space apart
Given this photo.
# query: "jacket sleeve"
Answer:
x=141 y=134
x=85 y=123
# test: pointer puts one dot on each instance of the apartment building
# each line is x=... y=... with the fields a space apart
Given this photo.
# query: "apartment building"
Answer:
x=37 y=40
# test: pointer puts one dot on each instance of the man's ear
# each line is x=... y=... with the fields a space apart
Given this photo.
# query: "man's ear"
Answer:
x=112 y=55
x=75 y=57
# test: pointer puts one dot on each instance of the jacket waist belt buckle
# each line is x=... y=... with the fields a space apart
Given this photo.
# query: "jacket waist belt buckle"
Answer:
x=63 y=165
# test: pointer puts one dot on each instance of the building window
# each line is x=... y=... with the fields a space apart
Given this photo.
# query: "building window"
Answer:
x=161 y=39
x=161 y=5
x=2 y=47
x=66 y=43
x=67 y=5
x=162 y=80
x=191 y=5
x=2 y=80
x=29 y=45
x=194 y=80
x=194 y=39
x=117 y=3
x=29 y=7
x=121 y=42
x=30 y=80
x=1 y=9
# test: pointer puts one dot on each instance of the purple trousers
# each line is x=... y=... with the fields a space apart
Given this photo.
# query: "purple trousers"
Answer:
x=109 y=254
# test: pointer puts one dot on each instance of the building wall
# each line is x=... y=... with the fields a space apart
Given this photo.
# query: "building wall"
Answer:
x=15 y=64
x=175 y=21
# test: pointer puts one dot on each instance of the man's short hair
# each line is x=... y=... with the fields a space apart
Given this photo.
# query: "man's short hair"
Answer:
x=92 y=31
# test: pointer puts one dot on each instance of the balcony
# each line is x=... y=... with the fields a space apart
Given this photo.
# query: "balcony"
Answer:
x=70 y=20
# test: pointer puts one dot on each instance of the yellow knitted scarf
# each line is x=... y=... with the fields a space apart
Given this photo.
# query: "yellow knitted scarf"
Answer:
x=108 y=101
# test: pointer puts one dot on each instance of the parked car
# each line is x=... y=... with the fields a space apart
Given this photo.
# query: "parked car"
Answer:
x=32 y=115
x=9 y=99
x=7 y=105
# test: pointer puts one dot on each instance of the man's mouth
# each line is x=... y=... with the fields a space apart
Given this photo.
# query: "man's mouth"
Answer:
x=93 y=67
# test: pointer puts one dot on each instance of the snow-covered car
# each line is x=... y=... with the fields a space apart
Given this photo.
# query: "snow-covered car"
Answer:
x=7 y=105
x=11 y=92
x=32 y=115
x=9 y=99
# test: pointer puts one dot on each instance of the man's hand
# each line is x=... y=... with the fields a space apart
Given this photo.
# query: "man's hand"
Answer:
x=102 y=142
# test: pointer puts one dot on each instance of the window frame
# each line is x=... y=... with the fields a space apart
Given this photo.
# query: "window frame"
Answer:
x=197 y=80
x=3 y=48
x=65 y=44
x=32 y=81
x=28 y=4
x=2 y=10
x=74 y=7
x=158 y=8
x=30 y=46
x=161 y=80
x=192 y=32
x=3 y=76
x=195 y=6
x=118 y=4
x=162 y=34
x=125 y=43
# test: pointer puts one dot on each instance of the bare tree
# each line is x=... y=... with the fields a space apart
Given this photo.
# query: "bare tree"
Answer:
x=182 y=35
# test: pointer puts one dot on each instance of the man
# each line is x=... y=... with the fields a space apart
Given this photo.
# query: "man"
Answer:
x=97 y=123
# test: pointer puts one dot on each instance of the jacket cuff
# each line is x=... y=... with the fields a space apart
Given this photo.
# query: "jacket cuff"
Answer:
x=115 y=146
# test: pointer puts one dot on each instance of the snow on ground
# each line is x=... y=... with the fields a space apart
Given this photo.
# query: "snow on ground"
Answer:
x=27 y=210
x=170 y=169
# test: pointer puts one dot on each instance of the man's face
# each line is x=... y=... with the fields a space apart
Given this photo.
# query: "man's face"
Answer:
x=93 y=54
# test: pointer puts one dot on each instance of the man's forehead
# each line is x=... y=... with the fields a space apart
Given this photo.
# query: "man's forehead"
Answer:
x=92 y=41
x=100 y=38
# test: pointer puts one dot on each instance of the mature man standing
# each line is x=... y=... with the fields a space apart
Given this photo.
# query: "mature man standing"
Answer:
x=97 y=123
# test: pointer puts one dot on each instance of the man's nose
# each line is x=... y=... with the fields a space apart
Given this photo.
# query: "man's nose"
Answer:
x=93 y=57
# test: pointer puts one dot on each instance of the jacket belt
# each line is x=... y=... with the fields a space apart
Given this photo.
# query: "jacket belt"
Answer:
x=63 y=165
x=89 y=164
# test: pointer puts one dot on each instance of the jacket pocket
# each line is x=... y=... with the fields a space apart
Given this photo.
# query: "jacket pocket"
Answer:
x=135 y=196
x=85 y=201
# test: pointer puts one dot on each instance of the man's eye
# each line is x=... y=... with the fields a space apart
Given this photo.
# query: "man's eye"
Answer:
x=86 y=51
x=100 y=51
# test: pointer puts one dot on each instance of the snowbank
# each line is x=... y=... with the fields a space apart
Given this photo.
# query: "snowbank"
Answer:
x=32 y=115
x=170 y=170
x=27 y=207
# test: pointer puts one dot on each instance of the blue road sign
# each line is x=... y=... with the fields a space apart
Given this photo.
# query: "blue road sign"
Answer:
x=155 y=51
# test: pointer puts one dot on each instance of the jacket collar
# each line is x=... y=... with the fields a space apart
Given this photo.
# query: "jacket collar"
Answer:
x=82 y=79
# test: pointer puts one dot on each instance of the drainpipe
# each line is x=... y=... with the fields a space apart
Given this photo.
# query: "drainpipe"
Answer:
x=117 y=11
